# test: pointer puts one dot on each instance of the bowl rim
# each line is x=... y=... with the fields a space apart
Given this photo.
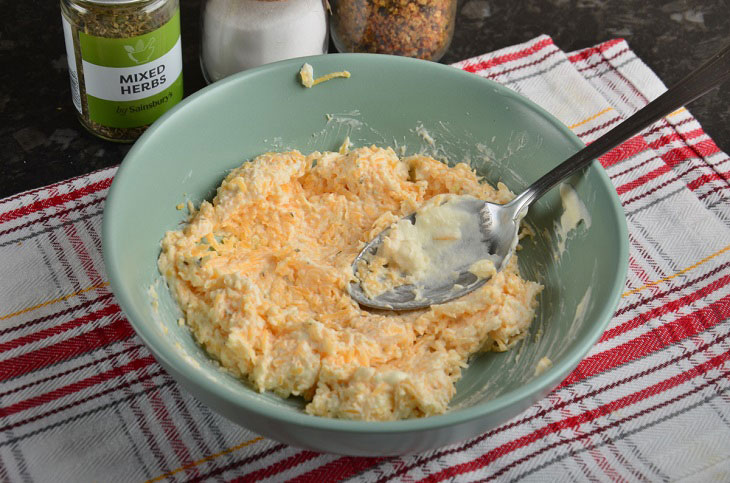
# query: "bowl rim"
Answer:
x=532 y=390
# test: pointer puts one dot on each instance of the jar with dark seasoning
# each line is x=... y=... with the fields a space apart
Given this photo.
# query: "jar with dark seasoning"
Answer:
x=412 y=28
x=124 y=61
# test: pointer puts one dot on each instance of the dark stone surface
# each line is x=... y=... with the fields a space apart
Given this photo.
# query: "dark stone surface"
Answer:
x=42 y=141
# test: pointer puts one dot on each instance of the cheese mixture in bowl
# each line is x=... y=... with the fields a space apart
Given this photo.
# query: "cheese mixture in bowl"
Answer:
x=262 y=272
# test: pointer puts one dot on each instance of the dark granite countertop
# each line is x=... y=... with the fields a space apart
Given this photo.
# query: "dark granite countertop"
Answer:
x=42 y=141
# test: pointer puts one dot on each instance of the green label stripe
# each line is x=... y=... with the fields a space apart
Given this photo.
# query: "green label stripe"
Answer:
x=130 y=51
x=134 y=113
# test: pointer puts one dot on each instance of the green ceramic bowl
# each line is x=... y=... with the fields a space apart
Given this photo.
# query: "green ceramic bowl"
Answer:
x=388 y=101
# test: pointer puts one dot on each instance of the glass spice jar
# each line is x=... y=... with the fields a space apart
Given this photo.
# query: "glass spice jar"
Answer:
x=412 y=28
x=241 y=34
x=124 y=61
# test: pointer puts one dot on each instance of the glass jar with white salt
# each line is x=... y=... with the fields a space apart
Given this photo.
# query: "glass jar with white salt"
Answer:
x=241 y=34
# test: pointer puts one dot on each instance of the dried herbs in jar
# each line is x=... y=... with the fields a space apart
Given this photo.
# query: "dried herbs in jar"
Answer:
x=125 y=63
x=412 y=28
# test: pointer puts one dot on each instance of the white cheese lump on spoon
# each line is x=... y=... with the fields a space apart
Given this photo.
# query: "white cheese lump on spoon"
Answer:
x=443 y=241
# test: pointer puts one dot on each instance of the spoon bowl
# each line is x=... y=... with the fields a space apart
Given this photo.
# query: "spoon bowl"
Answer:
x=498 y=229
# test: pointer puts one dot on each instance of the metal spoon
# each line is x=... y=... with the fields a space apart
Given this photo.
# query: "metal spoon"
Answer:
x=500 y=223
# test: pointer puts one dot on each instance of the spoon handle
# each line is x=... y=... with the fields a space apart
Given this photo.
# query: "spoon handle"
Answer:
x=710 y=74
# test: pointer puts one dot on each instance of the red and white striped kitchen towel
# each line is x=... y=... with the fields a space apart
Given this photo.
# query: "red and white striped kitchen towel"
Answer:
x=81 y=398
